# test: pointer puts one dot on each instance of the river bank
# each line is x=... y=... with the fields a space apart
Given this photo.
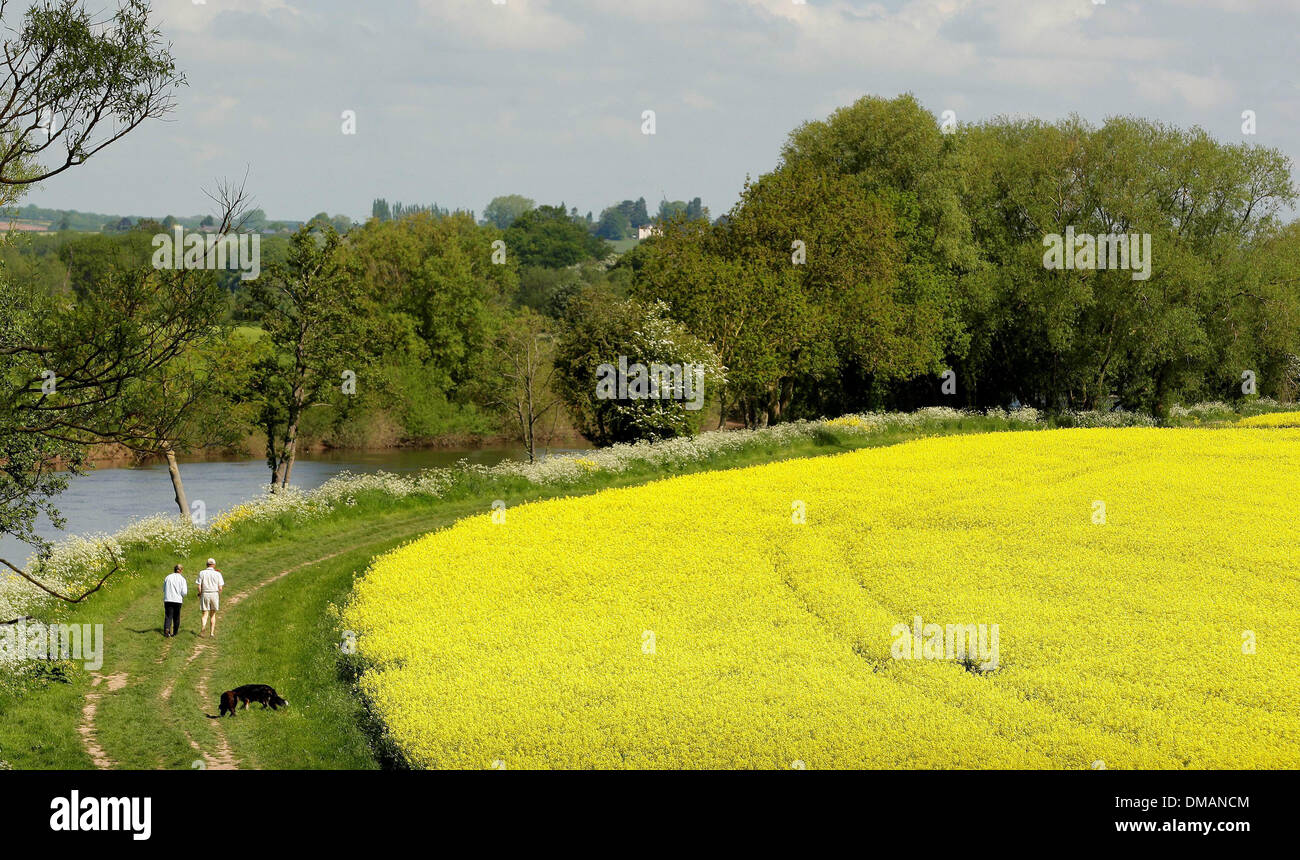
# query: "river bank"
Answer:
x=115 y=492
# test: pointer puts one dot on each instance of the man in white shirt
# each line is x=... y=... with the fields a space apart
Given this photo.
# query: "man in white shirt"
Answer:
x=210 y=582
x=174 y=590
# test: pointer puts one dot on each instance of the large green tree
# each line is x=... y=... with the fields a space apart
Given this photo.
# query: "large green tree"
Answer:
x=501 y=212
x=549 y=236
x=836 y=273
x=628 y=372
x=318 y=320
x=1212 y=301
x=74 y=82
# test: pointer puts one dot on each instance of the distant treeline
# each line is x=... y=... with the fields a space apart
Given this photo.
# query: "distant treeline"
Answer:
x=883 y=263
x=59 y=220
x=617 y=222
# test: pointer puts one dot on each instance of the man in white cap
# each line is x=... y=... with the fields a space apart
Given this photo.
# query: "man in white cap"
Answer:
x=210 y=582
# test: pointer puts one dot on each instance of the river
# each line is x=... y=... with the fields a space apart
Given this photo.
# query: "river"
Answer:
x=106 y=499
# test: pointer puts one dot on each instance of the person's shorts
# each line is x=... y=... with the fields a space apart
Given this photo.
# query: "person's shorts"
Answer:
x=210 y=602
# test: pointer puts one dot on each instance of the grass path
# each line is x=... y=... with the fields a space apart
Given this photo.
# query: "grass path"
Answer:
x=159 y=710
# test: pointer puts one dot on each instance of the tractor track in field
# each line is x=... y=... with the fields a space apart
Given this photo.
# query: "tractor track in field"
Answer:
x=89 y=737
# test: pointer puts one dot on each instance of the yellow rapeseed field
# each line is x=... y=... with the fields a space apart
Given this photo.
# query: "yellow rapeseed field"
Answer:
x=1272 y=419
x=1145 y=584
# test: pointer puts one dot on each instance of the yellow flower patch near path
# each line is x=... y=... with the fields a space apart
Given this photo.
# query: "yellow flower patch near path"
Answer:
x=1272 y=419
x=695 y=623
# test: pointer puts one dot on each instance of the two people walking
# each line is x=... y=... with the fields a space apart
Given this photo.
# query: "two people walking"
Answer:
x=209 y=582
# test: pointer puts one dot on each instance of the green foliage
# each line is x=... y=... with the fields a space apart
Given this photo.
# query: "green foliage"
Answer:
x=614 y=225
x=1218 y=300
x=85 y=370
x=92 y=259
x=380 y=210
x=504 y=211
x=437 y=273
x=604 y=333
x=318 y=324
x=925 y=251
x=550 y=237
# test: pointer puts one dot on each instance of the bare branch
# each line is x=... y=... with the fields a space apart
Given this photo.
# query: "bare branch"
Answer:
x=117 y=565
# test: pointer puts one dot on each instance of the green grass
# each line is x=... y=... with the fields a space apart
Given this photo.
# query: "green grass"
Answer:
x=285 y=634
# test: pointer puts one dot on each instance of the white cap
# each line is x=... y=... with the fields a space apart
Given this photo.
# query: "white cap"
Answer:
x=212 y=562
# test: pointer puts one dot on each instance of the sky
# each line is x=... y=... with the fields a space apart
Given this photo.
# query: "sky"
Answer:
x=458 y=101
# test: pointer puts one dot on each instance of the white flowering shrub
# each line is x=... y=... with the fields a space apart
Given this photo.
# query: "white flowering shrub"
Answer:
x=159 y=530
x=72 y=567
x=1099 y=418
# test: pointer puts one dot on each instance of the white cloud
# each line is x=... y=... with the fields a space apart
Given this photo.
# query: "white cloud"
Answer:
x=548 y=93
x=531 y=25
x=1199 y=91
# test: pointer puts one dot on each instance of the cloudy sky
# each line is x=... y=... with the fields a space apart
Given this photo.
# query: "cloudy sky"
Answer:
x=458 y=101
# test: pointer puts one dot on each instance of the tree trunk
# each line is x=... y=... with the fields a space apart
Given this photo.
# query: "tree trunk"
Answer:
x=290 y=454
x=787 y=394
x=174 y=470
x=532 y=417
x=291 y=436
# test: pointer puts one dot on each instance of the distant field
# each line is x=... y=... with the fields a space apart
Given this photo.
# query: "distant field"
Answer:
x=249 y=334
x=1144 y=583
x=624 y=245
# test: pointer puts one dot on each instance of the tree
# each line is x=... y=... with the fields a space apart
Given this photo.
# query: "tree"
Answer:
x=73 y=368
x=504 y=211
x=670 y=210
x=93 y=258
x=628 y=372
x=438 y=273
x=187 y=404
x=316 y=316
x=807 y=285
x=613 y=225
x=138 y=350
x=635 y=212
x=1215 y=300
x=74 y=84
x=548 y=236
x=520 y=377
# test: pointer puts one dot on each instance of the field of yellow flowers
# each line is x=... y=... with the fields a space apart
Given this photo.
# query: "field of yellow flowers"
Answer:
x=1145 y=584
x=1272 y=419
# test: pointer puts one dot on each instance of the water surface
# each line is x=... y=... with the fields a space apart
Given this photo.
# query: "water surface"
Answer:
x=106 y=499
